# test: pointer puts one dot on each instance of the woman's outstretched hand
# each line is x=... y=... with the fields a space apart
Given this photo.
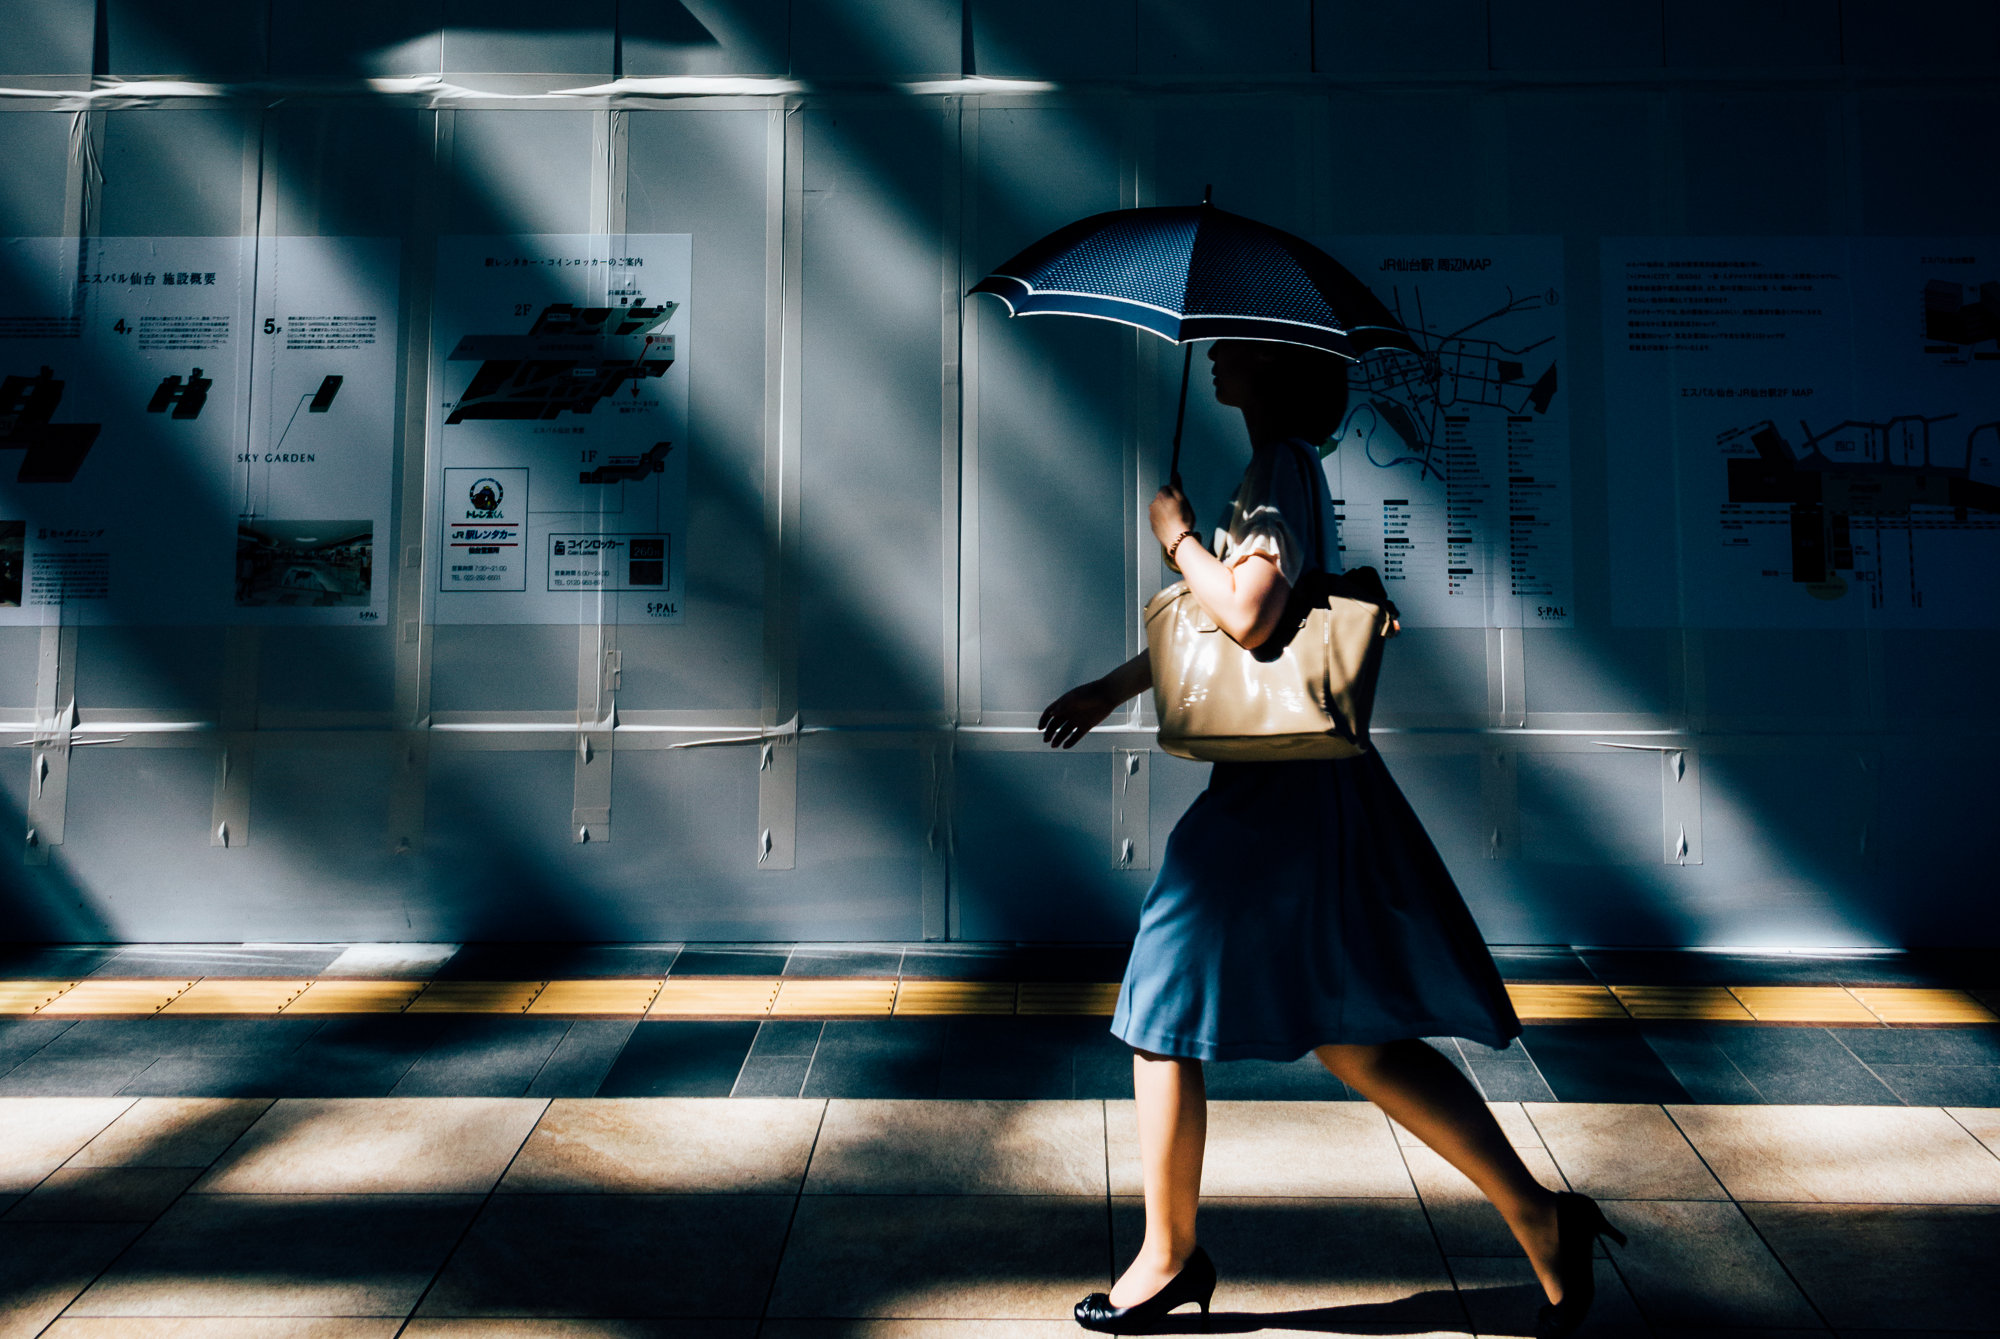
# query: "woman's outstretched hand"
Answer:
x=1170 y=514
x=1076 y=713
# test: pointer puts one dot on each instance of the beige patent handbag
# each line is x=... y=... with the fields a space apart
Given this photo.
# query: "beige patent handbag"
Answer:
x=1306 y=692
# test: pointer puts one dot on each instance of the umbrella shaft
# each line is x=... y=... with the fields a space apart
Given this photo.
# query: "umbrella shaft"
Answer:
x=1180 y=415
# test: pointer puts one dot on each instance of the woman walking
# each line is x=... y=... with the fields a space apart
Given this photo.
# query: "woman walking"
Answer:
x=1300 y=906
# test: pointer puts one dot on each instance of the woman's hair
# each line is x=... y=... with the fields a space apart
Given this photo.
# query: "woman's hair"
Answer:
x=1310 y=383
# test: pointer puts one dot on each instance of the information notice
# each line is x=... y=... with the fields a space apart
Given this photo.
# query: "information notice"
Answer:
x=1803 y=432
x=1451 y=475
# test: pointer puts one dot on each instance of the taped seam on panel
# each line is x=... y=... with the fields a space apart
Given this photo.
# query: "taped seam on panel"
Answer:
x=49 y=744
x=1131 y=828
x=229 y=819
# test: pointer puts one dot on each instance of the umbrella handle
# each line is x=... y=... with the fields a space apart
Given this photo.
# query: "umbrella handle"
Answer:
x=1180 y=416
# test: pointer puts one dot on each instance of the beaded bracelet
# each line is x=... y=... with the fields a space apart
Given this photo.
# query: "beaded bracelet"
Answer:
x=1175 y=547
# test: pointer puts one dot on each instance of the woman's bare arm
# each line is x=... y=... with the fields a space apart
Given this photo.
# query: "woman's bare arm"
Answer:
x=1245 y=599
x=1084 y=707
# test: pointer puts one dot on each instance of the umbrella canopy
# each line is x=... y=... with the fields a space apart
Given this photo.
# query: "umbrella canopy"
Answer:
x=1191 y=272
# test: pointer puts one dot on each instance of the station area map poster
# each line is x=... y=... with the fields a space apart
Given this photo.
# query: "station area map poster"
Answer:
x=194 y=430
x=1451 y=474
x=1804 y=432
x=559 y=426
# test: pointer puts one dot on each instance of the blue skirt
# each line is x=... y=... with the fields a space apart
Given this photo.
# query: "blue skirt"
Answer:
x=1301 y=903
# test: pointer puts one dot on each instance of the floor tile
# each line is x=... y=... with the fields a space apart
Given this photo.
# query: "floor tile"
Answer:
x=729 y=962
x=172 y=1035
x=942 y=1256
x=518 y=1327
x=1869 y=1267
x=283 y=1255
x=1506 y=1076
x=103 y=1195
x=940 y=963
x=884 y=1327
x=165 y=960
x=1022 y=1058
x=1921 y=1045
x=679 y=1058
x=843 y=962
x=19 y=962
x=1943 y=1085
x=392 y=962
x=45 y=1265
x=222 y=1327
x=1529 y=962
x=1465 y=1221
x=1503 y=1295
x=1103 y=1072
x=1670 y=967
x=583 y=1060
x=1702 y=1068
x=333 y=1146
x=550 y=962
x=890 y=1058
x=1316 y=1265
x=1800 y=1065
x=1293 y=1149
x=667 y=1146
x=248 y=1077
x=1702 y=1264
x=965 y=1148
x=21 y=1038
x=795 y=1037
x=42 y=1076
x=772 y=1076
x=171 y=1132
x=1590 y=1062
x=1513 y=1121
x=360 y=1056
x=39 y=1134
x=615 y=1255
x=483 y=1057
x=1301 y=1080
x=1623 y=1152
x=1880 y=1155
x=1984 y=1124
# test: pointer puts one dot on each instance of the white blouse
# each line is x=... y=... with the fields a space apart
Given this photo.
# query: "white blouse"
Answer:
x=1270 y=513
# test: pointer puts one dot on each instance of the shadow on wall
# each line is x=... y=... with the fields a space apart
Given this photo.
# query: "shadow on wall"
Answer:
x=510 y=879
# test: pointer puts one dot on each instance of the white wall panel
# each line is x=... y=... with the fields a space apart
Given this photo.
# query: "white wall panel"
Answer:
x=174 y=173
x=379 y=39
x=49 y=38
x=1193 y=39
x=841 y=40
x=1575 y=34
x=1054 y=39
x=704 y=173
x=218 y=40
x=704 y=37
x=34 y=156
x=530 y=37
x=871 y=612
x=1737 y=34
x=1357 y=37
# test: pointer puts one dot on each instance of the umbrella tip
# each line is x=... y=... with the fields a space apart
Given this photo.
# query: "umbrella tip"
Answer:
x=1206 y=191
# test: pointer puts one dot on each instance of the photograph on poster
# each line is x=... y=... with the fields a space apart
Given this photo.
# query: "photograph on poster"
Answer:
x=564 y=359
x=1451 y=474
x=13 y=537
x=305 y=564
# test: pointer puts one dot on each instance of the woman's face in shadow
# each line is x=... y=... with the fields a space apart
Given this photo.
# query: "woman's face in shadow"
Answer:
x=1237 y=369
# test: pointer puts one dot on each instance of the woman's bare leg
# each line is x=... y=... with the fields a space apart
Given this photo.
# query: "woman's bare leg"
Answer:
x=1173 y=1128
x=1427 y=1096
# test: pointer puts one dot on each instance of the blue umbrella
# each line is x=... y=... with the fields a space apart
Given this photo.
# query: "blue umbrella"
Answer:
x=1193 y=272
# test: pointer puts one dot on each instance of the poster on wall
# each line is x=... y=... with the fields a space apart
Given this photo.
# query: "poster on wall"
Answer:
x=1804 y=432
x=312 y=485
x=560 y=426
x=193 y=431
x=1451 y=474
x=124 y=365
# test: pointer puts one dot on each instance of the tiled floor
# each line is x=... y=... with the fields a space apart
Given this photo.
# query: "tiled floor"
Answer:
x=797 y=1217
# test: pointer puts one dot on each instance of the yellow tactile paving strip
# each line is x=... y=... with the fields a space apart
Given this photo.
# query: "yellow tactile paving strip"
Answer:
x=814 y=997
x=215 y=995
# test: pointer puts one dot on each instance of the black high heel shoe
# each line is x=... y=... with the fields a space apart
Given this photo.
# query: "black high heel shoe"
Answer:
x=1579 y=1223
x=1195 y=1283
